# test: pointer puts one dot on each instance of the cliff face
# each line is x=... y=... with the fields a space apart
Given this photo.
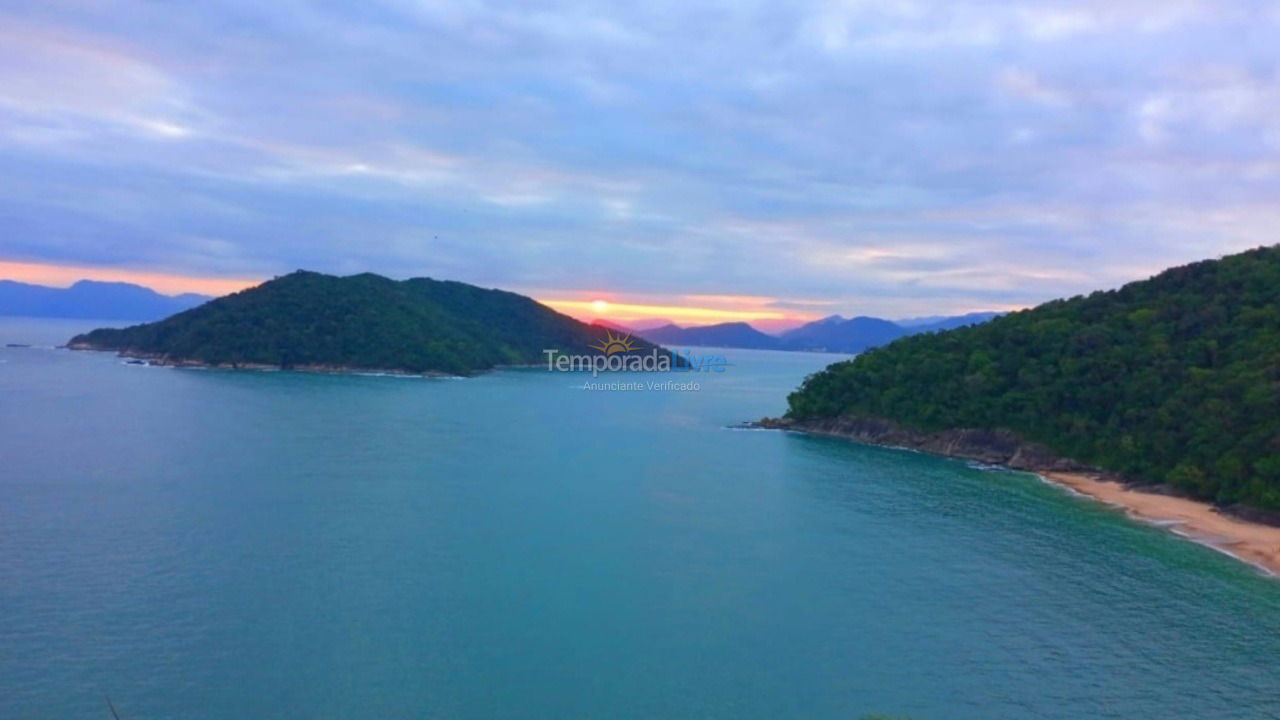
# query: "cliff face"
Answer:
x=994 y=447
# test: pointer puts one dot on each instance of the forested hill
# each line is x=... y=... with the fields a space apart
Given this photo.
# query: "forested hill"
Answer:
x=1175 y=379
x=308 y=319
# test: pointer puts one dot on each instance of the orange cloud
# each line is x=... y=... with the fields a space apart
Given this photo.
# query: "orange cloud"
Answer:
x=167 y=283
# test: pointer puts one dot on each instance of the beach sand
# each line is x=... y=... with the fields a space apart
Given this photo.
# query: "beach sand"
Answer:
x=1254 y=543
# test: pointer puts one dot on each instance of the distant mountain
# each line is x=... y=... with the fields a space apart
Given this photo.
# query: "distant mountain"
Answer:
x=647 y=323
x=836 y=334
x=311 y=321
x=830 y=334
x=732 y=334
x=854 y=335
x=935 y=324
x=610 y=325
x=92 y=299
x=914 y=321
x=828 y=320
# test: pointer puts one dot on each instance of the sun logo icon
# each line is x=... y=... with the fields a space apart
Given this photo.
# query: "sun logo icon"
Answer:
x=612 y=344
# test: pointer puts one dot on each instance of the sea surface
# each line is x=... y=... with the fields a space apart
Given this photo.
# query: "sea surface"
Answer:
x=220 y=544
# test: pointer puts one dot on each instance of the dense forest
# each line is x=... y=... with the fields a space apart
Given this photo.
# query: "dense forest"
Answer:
x=1174 y=379
x=362 y=321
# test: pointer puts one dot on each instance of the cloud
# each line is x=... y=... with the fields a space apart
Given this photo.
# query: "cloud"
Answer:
x=1026 y=85
x=898 y=158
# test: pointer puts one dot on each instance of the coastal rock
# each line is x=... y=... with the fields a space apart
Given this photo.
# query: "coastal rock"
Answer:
x=993 y=447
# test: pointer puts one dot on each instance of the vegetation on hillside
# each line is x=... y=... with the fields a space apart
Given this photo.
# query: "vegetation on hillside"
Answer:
x=1175 y=379
x=361 y=321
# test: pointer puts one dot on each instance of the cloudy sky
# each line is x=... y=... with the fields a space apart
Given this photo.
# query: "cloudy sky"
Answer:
x=803 y=158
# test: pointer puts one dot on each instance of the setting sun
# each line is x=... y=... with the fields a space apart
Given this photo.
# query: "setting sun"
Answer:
x=600 y=306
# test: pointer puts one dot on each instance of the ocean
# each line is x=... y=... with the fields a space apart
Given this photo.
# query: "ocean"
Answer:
x=221 y=544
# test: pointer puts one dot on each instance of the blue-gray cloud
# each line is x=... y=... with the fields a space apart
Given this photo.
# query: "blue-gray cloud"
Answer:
x=891 y=157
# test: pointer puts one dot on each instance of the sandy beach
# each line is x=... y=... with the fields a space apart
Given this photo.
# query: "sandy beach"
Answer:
x=1253 y=543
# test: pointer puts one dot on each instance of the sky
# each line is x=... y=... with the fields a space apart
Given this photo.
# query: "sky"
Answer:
x=706 y=160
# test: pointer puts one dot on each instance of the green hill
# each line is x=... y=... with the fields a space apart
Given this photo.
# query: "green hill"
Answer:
x=1174 y=379
x=310 y=320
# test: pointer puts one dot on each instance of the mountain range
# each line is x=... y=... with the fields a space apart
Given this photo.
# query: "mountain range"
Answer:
x=125 y=301
x=92 y=299
x=731 y=335
x=830 y=334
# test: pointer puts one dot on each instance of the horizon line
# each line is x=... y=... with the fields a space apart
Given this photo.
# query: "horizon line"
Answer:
x=586 y=306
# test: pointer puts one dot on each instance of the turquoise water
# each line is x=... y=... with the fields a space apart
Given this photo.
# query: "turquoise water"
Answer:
x=207 y=544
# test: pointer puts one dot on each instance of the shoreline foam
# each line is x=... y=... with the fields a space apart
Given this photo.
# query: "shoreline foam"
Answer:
x=1254 y=543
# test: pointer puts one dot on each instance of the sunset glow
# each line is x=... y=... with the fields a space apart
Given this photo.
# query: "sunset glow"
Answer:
x=680 y=309
x=165 y=283
x=679 y=314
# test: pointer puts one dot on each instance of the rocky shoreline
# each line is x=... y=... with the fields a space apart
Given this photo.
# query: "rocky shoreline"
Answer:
x=165 y=360
x=1003 y=448
x=993 y=447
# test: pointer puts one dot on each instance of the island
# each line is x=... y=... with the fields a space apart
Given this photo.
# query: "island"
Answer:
x=317 y=322
x=1167 y=389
